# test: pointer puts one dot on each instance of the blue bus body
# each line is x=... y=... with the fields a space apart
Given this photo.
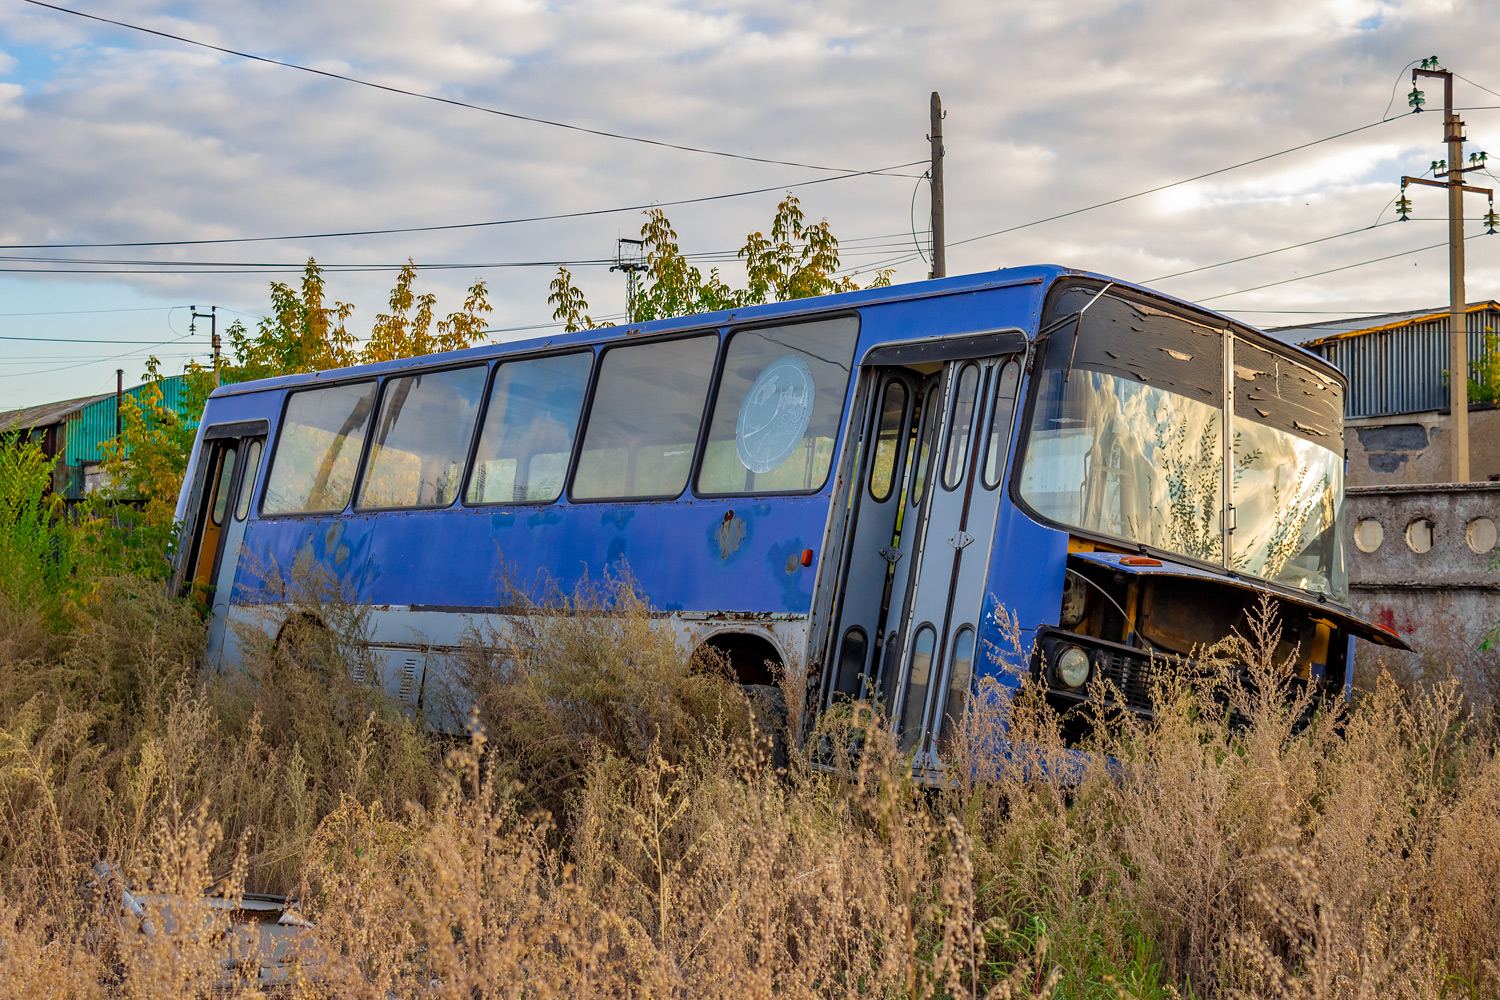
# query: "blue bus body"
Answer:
x=903 y=596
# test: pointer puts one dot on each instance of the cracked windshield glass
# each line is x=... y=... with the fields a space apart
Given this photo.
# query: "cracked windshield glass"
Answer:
x=1126 y=441
x=1288 y=473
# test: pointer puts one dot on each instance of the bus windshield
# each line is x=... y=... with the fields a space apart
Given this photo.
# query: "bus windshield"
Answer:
x=1287 y=476
x=1127 y=441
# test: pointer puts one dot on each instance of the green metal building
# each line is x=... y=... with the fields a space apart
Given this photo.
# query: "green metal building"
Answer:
x=74 y=431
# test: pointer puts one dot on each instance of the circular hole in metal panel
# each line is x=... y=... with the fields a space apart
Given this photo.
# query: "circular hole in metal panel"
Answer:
x=1419 y=535
x=1368 y=534
x=1481 y=535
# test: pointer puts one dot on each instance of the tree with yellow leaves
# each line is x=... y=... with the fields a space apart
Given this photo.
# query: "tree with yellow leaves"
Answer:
x=797 y=260
x=404 y=333
x=305 y=335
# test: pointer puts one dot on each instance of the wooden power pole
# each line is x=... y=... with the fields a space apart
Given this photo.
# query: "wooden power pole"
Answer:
x=1458 y=313
x=213 y=327
x=939 y=254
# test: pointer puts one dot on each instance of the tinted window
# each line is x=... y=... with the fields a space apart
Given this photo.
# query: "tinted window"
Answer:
x=780 y=402
x=888 y=441
x=961 y=426
x=1001 y=415
x=959 y=676
x=422 y=438
x=916 y=686
x=851 y=662
x=247 y=487
x=643 y=422
x=924 y=451
x=528 y=430
x=318 y=449
x=221 y=486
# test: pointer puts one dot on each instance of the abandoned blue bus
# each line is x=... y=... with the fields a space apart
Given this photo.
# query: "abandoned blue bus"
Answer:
x=871 y=484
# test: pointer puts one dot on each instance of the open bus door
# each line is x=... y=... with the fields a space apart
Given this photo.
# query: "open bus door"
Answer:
x=929 y=476
x=231 y=457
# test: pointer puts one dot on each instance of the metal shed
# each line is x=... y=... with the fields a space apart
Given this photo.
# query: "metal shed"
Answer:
x=94 y=424
x=1397 y=362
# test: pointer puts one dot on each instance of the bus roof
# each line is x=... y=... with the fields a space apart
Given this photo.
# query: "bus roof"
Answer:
x=1044 y=274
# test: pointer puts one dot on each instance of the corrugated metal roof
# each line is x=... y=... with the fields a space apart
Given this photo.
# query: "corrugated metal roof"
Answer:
x=1398 y=362
x=46 y=414
x=1309 y=334
x=95 y=423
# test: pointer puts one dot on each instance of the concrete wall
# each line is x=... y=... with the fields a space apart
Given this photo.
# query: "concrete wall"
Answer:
x=1442 y=601
x=1412 y=448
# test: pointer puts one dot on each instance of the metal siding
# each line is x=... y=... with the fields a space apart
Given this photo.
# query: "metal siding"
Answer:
x=95 y=423
x=1403 y=370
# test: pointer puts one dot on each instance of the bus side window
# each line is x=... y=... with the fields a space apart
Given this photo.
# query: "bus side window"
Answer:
x=247 y=485
x=528 y=430
x=642 y=425
x=317 y=449
x=887 y=441
x=1001 y=415
x=221 y=487
x=930 y=421
x=422 y=438
x=960 y=427
x=778 y=409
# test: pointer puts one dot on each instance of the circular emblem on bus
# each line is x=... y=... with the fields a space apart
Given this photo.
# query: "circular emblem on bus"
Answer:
x=775 y=414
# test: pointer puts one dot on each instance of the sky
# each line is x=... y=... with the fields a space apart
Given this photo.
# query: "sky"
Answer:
x=110 y=135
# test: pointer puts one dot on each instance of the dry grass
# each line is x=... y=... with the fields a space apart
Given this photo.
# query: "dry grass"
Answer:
x=614 y=826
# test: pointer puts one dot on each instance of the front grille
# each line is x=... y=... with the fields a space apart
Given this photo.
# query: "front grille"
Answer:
x=1129 y=675
x=1129 y=671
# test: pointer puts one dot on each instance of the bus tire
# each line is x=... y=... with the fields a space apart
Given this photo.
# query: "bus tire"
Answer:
x=768 y=712
x=304 y=642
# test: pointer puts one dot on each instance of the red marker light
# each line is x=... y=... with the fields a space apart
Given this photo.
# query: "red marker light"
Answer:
x=807 y=557
x=1139 y=561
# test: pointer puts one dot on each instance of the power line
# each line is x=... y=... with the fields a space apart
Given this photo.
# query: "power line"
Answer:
x=1267 y=253
x=456 y=225
x=1346 y=313
x=91 y=361
x=76 y=340
x=1479 y=85
x=1395 y=86
x=434 y=97
x=1334 y=270
x=85 y=312
x=274 y=267
x=1163 y=187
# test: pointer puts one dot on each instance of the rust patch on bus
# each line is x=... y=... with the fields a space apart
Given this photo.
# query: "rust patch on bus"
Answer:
x=729 y=535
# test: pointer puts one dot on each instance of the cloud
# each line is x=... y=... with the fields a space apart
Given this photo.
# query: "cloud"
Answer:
x=116 y=136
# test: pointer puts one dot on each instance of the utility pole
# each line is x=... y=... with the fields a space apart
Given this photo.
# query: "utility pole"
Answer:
x=213 y=327
x=935 y=138
x=1458 y=313
x=119 y=398
x=630 y=257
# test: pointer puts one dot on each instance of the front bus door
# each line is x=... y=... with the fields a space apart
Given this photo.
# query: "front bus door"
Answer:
x=938 y=431
x=231 y=459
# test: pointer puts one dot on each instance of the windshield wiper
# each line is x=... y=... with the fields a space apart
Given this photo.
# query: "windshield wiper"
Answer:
x=1055 y=324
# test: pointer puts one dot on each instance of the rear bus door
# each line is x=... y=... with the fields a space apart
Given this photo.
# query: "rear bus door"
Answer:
x=232 y=456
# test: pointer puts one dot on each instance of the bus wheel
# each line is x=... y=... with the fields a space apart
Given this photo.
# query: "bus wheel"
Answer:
x=305 y=642
x=768 y=712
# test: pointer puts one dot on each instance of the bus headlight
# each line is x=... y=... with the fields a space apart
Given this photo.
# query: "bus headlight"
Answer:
x=1072 y=667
